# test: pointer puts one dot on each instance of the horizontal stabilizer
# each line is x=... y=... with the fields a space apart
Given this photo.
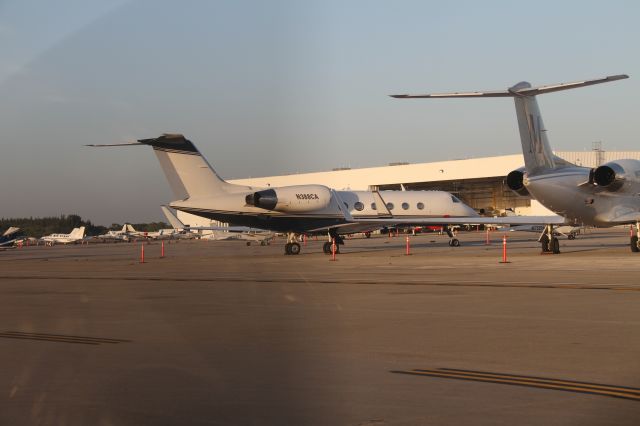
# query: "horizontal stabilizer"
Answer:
x=115 y=144
x=520 y=89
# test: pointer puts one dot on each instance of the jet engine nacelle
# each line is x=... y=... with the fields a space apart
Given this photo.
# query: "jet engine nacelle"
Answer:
x=612 y=176
x=291 y=199
x=515 y=182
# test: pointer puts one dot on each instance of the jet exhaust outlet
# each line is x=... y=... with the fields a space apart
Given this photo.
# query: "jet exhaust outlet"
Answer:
x=291 y=199
x=515 y=182
x=609 y=176
x=266 y=199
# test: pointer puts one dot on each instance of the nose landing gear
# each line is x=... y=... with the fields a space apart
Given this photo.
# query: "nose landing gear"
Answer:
x=453 y=241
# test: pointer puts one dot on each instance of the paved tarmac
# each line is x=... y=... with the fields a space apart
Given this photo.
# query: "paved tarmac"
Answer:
x=221 y=333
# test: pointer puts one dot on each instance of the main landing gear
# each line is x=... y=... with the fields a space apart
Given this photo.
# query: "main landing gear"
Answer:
x=292 y=247
x=634 y=243
x=453 y=241
x=333 y=236
x=548 y=242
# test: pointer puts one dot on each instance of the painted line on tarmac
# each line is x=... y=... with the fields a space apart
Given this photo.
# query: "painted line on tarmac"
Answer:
x=60 y=338
x=613 y=391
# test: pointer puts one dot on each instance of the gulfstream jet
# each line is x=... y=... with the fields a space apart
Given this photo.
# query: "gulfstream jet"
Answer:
x=302 y=209
x=603 y=196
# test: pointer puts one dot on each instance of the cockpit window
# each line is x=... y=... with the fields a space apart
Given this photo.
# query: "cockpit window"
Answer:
x=454 y=199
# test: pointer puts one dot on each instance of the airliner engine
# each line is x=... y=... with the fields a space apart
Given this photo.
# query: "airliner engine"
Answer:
x=515 y=182
x=612 y=176
x=291 y=199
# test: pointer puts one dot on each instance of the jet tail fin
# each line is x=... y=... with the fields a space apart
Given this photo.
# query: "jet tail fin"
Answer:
x=77 y=232
x=187 y=171
x=538 y=156
x=11 y=230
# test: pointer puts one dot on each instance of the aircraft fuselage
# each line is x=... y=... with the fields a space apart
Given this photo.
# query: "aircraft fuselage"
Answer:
x=564 y=192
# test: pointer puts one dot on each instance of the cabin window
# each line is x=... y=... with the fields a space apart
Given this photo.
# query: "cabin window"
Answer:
x=373 y=206
x=390 y=206
x=405 y=206
x=358 y=206
x=420 y=206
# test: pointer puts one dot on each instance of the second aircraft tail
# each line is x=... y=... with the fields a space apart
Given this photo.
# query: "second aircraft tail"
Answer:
x=538 y=156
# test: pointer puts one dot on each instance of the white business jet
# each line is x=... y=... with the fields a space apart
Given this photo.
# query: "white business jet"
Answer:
x=304 y=209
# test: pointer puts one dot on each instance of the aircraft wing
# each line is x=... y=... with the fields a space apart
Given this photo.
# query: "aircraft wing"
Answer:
x=470 y=220
x=357 y=225
x=624 y=219
x=235 y=229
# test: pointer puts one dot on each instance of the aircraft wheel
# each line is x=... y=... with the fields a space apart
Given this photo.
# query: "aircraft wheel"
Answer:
x=454 y=242
x=634 y=244
x=262 y=243
x=248 y=243
x=326 y=247
x=555 y=245
x=294 y=248
x=287 y=248
x=571 y=237
x=367 y=234
x=544 y=243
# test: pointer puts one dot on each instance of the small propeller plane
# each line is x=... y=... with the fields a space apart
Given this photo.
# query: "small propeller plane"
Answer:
x=77 y=234
x=304 y=209
x=603 y=196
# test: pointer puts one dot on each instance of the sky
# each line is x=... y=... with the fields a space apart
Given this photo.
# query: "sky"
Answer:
x=280 y=87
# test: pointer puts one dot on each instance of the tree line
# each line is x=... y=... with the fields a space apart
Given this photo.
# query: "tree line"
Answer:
x=39 y=226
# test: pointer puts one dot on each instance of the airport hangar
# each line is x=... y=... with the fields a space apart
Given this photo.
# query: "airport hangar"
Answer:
x=479 y=182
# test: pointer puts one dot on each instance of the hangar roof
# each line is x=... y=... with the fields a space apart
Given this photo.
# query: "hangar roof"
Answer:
x=474 y=168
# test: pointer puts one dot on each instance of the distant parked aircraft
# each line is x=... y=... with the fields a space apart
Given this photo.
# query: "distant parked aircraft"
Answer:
x=10 y=236
x=218 y=232
x=75 y=235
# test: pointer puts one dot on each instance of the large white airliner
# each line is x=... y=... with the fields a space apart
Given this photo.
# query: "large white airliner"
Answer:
x=603 y=196
x=303 y=208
